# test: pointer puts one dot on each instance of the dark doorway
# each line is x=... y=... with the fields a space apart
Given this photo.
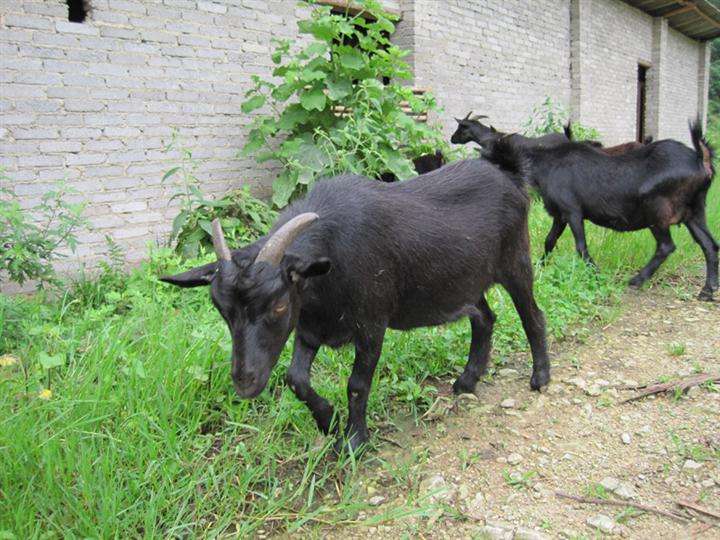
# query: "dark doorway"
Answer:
x=641 y=102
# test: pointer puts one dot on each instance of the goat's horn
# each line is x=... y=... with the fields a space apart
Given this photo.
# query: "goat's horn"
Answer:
x=218 y=238
x=468 y=116
x=479 y=116
x=274 y=249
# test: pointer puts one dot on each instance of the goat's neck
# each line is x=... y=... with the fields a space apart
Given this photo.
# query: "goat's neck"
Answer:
x=483 y=135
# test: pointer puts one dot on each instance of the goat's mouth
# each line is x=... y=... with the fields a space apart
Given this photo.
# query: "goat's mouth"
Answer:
x=251 y=387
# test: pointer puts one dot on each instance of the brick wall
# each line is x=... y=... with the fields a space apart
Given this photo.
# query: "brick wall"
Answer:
x=681 y=86
x=618 y=38
x=495 y=57
x=96 y=102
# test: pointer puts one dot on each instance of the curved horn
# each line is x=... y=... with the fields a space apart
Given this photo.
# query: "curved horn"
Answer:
x=274 y=249
x=218 y=238
x=468 y=116
x=479 y=116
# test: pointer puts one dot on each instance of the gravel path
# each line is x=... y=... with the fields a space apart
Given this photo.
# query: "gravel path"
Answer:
x=488 y=466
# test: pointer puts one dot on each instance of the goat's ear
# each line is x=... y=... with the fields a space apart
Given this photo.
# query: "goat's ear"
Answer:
x=307 y=269
x=492 y=128
x=196 y=277
x=458 y=120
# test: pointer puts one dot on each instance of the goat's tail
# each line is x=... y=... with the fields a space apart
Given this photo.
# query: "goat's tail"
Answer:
x=567 y=128
x=509 y=158
x=703 y=149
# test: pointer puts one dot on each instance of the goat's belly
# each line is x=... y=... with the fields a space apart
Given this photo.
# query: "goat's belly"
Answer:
x=631 y=222
x=418 y=316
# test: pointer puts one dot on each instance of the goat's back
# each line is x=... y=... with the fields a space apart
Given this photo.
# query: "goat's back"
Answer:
x=426 y=245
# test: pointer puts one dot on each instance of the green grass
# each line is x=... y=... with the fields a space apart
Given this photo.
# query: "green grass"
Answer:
x=142 y=435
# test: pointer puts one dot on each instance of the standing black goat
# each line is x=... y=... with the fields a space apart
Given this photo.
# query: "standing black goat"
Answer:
x=652 y=187
x=356 y=257
x=471 y=129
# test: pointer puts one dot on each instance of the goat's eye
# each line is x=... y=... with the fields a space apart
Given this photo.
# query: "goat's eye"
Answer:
x=280 y=310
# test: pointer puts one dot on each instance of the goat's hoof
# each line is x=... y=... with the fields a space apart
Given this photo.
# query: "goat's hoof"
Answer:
x=461 y=386
x=540 y=379
x=636 y=283
x=355 y=443
x=706 y=295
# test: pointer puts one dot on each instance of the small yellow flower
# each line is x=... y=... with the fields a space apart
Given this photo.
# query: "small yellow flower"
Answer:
x=45 y=394
x=7 y=360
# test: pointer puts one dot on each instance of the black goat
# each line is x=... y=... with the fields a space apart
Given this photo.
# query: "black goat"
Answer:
x=403 y=255
x=471 y=129
x=655 y=186
x=422 y=164
x=610 y=150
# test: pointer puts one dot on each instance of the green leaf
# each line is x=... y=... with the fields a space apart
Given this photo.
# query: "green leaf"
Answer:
x=401 y=166
x=309 y=75
x=313 y=99
x=255 y=102
x=170 y=173
x=316 y=49
x=351 y=58
x=205 y=226
x=254 y=143
x=178 y=223
x=292 y=116
x=339 y=89
x=48 y=362
x=283 y=188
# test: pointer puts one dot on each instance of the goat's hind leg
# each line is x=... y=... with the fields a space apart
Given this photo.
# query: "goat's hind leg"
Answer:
x=481 y=323
x=578 y=229
x=519 y=284
x=664 y=247
x=556 y=231
x=700 y=233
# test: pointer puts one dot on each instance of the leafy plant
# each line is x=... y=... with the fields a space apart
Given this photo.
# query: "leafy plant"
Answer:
x=331 y=112
x=244 y=218
x=29 y=246
x=552 y=117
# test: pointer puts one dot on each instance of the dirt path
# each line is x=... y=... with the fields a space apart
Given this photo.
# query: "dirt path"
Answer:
x=489 y=467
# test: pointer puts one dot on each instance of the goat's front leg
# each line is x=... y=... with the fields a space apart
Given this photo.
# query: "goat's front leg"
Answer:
x=664 y=247
x=298 y=379
x=368 y=346
x=578 y=229
x=556 y=231
x=699 y=230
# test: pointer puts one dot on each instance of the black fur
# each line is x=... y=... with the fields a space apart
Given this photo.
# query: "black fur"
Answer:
x=654 y=186
x=403 y=255
x=473 y=130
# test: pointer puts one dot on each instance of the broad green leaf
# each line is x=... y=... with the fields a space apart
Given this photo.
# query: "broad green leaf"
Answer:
x=253 y=103
x=351 y=58
x=314 y=99
x=283 y=188
x=178 y=223
x=339 y=89
x=48 y=362
x=309 y=75
x=316 y=49
x=292 y=116
x=254 y=143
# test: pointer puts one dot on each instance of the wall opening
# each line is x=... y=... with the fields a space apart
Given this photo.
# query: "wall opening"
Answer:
x=641 y=102
x=78 y=10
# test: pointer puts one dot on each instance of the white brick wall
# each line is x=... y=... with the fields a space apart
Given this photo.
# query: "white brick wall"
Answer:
x=495 y=57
